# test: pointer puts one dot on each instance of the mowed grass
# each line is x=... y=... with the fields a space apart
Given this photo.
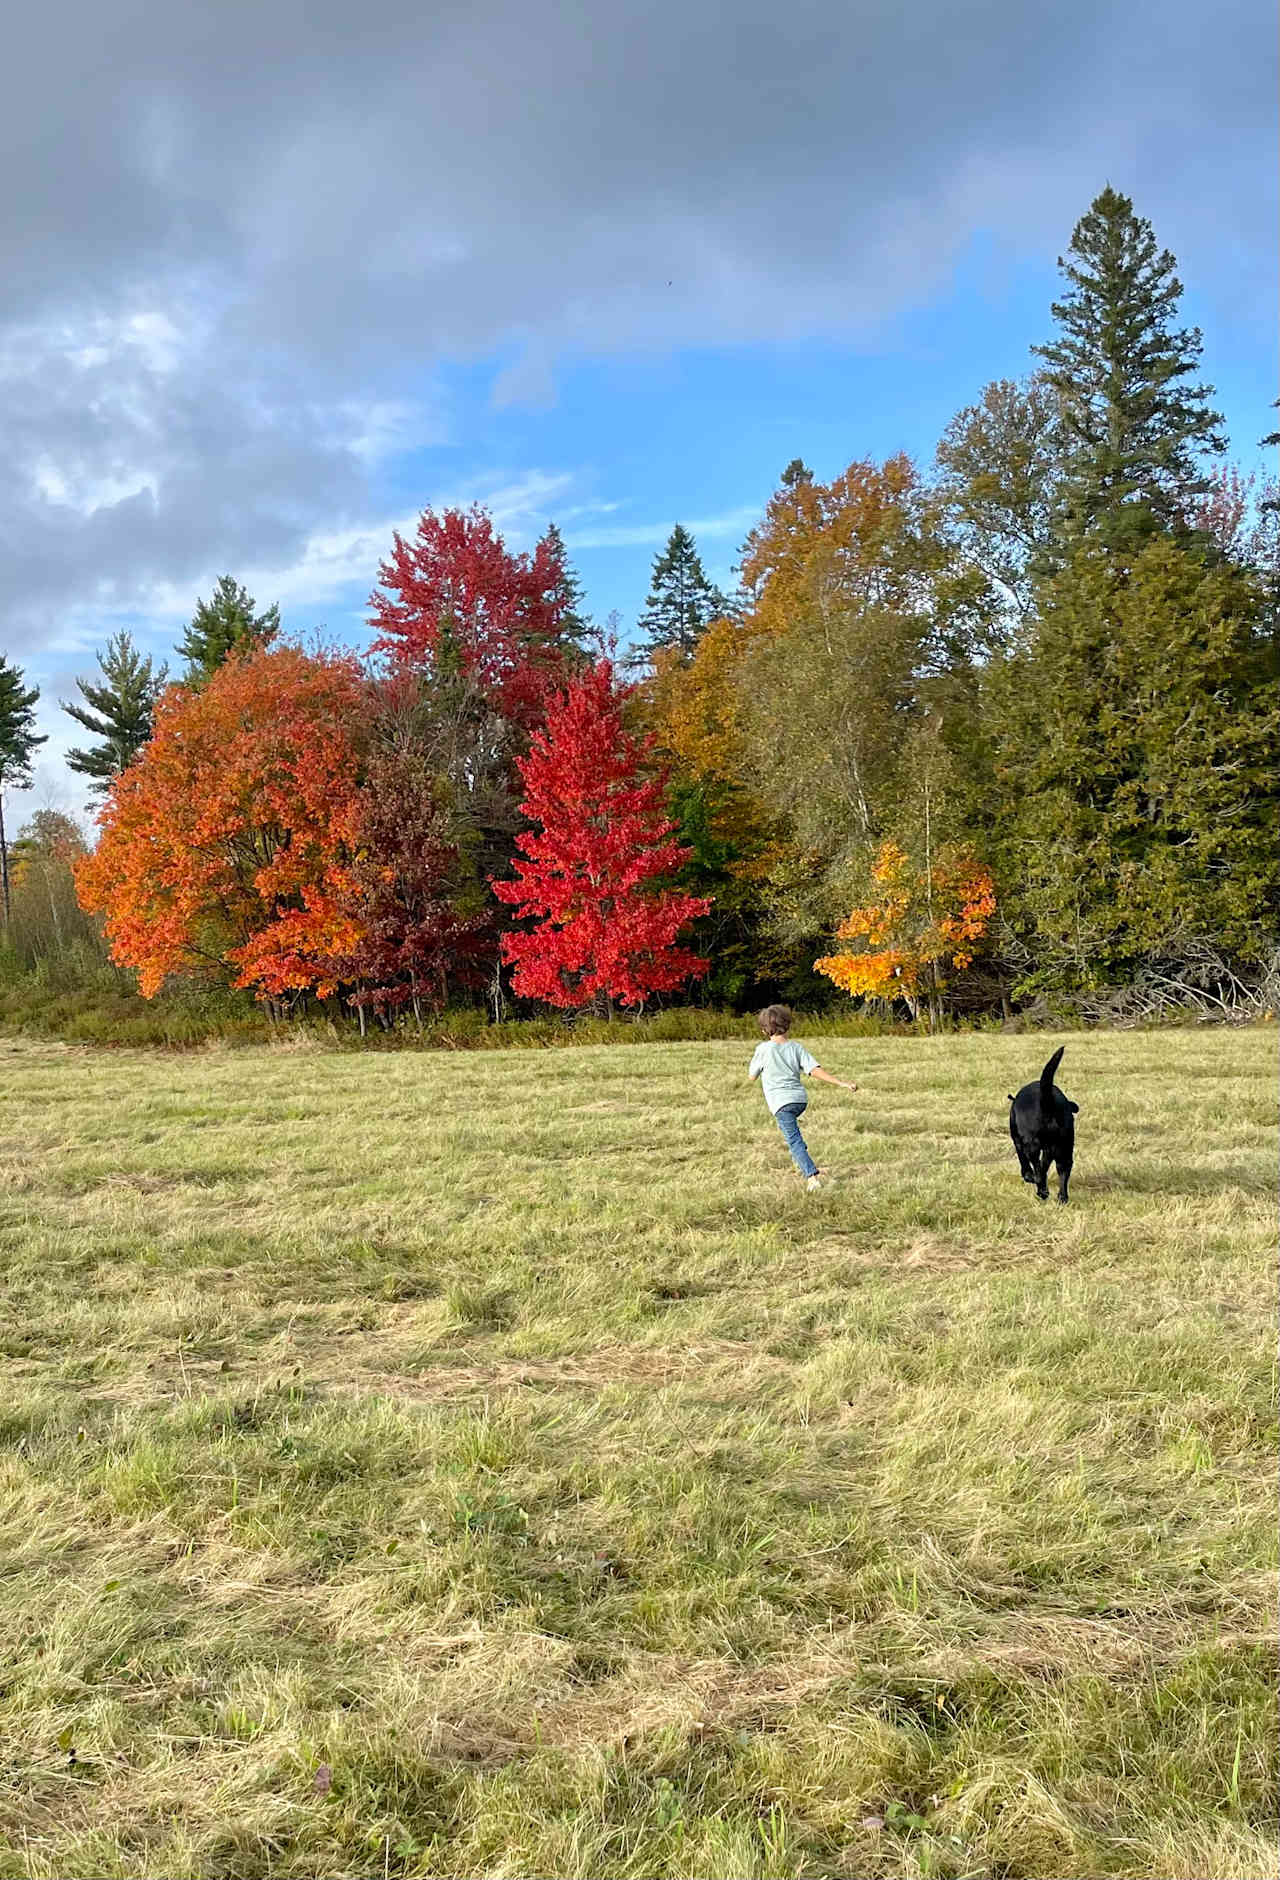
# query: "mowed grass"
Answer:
x=498 y=1464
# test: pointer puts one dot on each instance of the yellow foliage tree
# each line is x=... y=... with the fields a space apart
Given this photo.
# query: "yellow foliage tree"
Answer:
x=695 y=711
x=918 y=923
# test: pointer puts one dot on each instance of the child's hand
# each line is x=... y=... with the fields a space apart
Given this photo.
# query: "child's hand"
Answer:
x=849 y=1086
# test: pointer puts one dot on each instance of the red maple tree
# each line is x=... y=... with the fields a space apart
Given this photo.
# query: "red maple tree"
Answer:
x=228 y=845
x=589 y=876
x=457 y=599
x=422 y=929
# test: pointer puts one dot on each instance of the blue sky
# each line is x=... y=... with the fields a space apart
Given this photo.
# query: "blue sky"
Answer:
x=302 y=269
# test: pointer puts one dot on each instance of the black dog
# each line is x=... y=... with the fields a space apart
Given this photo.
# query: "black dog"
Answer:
x=1042 y=1124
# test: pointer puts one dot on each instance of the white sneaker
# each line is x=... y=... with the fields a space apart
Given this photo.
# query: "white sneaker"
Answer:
x=814 y=1181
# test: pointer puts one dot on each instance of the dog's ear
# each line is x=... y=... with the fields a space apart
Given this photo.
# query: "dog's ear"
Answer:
x=1009 y=1095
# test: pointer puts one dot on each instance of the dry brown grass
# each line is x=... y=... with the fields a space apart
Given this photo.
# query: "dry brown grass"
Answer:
x=498 y=1465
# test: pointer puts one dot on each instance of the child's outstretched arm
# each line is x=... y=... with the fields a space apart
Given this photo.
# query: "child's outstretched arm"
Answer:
x=825 y=1077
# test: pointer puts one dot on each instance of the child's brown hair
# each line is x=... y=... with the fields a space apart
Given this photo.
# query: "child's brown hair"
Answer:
x=775 y=1018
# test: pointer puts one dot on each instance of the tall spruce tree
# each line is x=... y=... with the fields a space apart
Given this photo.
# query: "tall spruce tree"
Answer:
x=1135 y=427
x=575 y=627
x=117 y=712
x=682 y=602
x=18 y=742
x=225 y=625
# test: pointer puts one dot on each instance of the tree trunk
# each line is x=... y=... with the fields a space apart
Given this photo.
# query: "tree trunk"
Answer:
x=4 y=861
x=53 y=909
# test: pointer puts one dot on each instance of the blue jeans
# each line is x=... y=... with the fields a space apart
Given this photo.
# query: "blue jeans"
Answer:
x=788 y=1121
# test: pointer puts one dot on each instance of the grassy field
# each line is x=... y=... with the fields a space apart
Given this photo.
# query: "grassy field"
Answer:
x=498 y=1464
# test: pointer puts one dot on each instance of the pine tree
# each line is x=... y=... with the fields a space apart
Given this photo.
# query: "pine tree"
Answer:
x=682 y=602
x=575 y=628
x=225 y=625
x=118 y=712
x=18 y=742
x=1135 y=796
x=1135 y=428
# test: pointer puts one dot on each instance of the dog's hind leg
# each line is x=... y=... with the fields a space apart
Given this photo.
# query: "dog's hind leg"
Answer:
x=1064 y=1176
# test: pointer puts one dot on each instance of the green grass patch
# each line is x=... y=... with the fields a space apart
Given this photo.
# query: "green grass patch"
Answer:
x=430 y=1465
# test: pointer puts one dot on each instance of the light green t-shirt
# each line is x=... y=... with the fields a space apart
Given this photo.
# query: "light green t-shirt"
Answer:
x=779 y=1068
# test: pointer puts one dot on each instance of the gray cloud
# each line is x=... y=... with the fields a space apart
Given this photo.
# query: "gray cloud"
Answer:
x=231 y=233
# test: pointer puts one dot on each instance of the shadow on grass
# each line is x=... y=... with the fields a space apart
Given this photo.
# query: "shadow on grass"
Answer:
x=1179 y=1183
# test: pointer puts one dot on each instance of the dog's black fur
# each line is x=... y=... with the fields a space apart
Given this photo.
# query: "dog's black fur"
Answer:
x=1042 y=1125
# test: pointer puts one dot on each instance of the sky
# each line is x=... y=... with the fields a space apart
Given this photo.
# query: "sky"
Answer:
x=277 y=274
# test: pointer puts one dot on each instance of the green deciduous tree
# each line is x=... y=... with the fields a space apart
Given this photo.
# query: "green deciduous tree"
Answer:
x=1000 y=465
x=861 y=632
x=117 y=712
x=682 y=602
x=225 y=625
x=18 y=743
x=1136 y=428
x=46 y=919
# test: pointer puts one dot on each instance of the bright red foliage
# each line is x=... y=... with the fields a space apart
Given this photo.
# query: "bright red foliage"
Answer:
x=457 y=598
x=604 y=928
x=228 y=844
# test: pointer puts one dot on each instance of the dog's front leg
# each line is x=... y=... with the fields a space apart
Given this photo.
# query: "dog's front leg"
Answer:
x=1043 y=1160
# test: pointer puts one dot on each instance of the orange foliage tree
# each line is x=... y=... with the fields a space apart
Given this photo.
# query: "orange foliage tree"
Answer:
x=865 y=534
x=693 y=707
x=918 y=923
x=229 y=844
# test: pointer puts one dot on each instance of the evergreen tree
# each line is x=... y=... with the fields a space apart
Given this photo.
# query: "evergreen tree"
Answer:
x=682 y=602
x=1136 y=768
x=1135 y=429
x=18 y=741
x=225 y=625
x=575 y=627
x=118 y=712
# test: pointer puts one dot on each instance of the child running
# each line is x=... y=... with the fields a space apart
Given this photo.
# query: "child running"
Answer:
x=778 y=1063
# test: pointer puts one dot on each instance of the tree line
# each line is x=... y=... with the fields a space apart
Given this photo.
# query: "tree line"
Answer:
x=997 y=729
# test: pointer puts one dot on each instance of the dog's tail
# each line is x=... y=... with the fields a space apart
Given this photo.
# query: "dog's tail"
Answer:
x=1046 y=1076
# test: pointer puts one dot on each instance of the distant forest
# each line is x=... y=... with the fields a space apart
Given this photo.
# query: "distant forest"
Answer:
x=993 y=734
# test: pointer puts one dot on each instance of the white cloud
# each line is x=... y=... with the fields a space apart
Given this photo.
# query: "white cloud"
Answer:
x=215 y=320
x=156 y=338
x=379 y=429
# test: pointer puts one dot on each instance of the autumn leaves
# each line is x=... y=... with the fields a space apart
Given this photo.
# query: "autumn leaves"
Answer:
x=302 y=823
